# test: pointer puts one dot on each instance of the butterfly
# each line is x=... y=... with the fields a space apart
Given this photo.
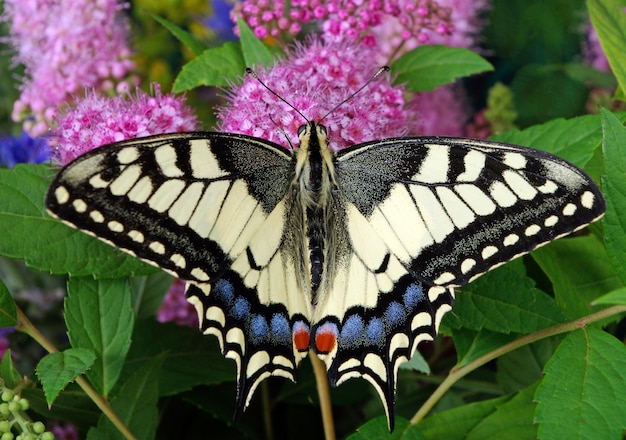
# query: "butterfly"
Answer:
x=354 y=254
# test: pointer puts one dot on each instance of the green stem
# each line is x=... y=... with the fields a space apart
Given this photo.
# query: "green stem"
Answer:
x=456 y=374
x=27 y=327
x=323 y=391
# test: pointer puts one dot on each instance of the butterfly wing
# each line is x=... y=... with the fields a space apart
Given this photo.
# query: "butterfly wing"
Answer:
x=209 y=208
x=422 y=216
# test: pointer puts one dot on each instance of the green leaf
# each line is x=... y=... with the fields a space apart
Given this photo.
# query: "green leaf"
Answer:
x=148 y=293
x=416 y=363
x=196 y=46
x=8 y=314
x=254 y=51
x=191 y=357
x=456 y=423
x=471 y=345
x=615 y=297
x=377 y=429
x=8 y=373
x=512 y=420
x=428 y=67
x=99 y=317
x=213 y=67
x=609 y=21
x=580 y=272
x=58 y=369
x=518 y=308
x=614 y=188
x=523 y=367
x=135 y=405
x=583 y=393
x=29 y=233
x=573 y=139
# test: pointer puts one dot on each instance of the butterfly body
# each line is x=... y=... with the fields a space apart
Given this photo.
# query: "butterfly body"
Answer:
x=353 y=254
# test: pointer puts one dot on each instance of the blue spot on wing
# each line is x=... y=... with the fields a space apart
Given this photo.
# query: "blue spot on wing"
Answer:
x=352 y=332
x=375 y=332
x=412 y=296
x=395 y=314
x=281 y=331
x=259 y=330
x=240 y=309
x=224 y=291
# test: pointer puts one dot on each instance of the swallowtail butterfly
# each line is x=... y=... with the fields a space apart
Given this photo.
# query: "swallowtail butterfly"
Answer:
x=353 y=254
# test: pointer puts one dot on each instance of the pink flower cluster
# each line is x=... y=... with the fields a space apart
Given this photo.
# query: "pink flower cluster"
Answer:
x=175 y=307
x=315 y=77
x=65 y=46
x=98 y=120
x=345 y=19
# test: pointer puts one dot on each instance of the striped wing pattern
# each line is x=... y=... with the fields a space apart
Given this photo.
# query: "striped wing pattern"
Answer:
x=416 y=217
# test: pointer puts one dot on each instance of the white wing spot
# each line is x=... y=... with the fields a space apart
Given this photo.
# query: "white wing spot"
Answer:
x=375 y=363
x=510 y=239
x=96 y=216
x=115 y=226
x=532 y=230
x=435 y=292
x=569 y=209
x=476 y=199
x=474 y=162
x=136 y=235
x=199 y=274
x=444 y=278
x=548 y=188
x=467 y=265
x=489 y=251
x=157 y=247
x=79 y=205
x=166 y=158
x=127 y=155
x=434 y=167
x=62 y=195
x=166 y=194
x=587 y=199
x=98 y=182
x=204 y=164
x=551 y=221
x=422 y=319
x=126 y=180
x=502 y=195
x=520 y=186
x=515 y=160
x=141 y=191
x=178 y=260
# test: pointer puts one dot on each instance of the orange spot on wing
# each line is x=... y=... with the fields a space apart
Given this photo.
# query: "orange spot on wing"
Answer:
x=325 y=340
x=301 y=337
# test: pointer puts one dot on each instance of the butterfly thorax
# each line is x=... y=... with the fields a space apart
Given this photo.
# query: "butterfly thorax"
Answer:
x=314 y=183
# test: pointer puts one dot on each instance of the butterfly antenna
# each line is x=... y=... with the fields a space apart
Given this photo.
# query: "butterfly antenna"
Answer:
x=367 y=83
x=253 y=74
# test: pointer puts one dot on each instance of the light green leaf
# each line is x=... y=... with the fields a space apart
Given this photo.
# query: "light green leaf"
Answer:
x=99 y=317
x=196 y=46
x=213 y=67
x=377 y=429
x=609 y=21
x=614 y=297
x=583 y=393
x=8 y=373
x=428 y=67
x=416 y=363
x=614 y=188
x=8 y=314
x=58 y=369
x=253 y=49
x=29 y=233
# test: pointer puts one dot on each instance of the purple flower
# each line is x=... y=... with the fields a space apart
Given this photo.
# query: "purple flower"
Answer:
x=175 y=307
x=65 y=46
x=220 y=22
x=314 y=77
x=345 y=19
x=64 y=431
x=23 y=149
x=593 y=52
x=97 y=120
x=4 y=339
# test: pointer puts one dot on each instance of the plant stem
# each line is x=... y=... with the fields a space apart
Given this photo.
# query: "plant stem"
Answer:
x=27 y=327
x=457 y=373
x=323 y=391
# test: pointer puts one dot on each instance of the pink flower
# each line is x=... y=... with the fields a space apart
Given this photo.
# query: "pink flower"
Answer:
x=594 y=54
x=441 y=112
x=175 y=307
x=97 y=120
x=315 y=77
x=65 y=46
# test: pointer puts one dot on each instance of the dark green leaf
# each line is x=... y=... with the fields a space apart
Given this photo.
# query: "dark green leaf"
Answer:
x=72 y=405
x=213 y=67
x=573 y=139
x=28 y=233
x=135 y=404
x=197 y=47
x=580 y=271
x=8 y=314
x=523 y=367
x=506 y=301
x=58 y=369
x=512 y=420
x=99 y=317
x=428 y=67
x=614 y=188
x=8 y=373
x=253 y=49
x=609 y=21
x=416 y=363
x=456 y=423
x=583 y=393
x=191 y=357
x=470 y=345
x=148 y=293
x=377 y=429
